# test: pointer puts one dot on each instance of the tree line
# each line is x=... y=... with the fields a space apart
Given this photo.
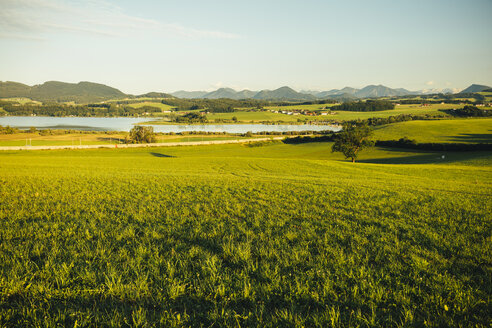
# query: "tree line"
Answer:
x=56 y=109
x=223 y=105
x=469 y=111
x=365 y=106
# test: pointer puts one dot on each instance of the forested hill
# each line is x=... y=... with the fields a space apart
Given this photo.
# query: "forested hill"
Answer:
x=82 y=92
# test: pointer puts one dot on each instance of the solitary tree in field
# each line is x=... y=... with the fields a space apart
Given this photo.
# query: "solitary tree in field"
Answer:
x=141 y=134
x=352 y=139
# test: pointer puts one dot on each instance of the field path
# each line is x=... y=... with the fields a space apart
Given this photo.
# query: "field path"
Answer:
x=160 y=144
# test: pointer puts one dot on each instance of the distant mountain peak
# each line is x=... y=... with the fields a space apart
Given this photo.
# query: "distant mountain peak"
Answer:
x=283 y=93
x=475 y=88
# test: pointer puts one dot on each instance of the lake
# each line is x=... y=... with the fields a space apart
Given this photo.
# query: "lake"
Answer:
x=126 y=124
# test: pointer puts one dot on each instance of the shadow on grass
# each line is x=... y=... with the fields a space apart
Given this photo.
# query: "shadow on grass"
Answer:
x=473 y=137
x=162 y=155
x=420 y=157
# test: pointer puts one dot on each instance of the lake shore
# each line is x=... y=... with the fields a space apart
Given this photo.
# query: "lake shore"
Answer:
x=126 y=124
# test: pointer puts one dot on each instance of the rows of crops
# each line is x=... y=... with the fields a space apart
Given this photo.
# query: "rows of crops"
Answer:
x=279 y=235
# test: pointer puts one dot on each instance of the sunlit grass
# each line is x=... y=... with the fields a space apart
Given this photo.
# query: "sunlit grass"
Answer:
x=159 y=104
x=279 y=235
x=462 y=130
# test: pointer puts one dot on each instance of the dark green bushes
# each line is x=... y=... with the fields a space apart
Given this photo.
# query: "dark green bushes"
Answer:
x=470 y=111
x=365 y=106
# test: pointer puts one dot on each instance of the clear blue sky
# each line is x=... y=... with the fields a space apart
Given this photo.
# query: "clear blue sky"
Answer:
x=141 y=46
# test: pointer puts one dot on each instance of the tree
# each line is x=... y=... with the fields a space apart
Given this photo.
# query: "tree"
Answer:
x=141 y=134
x=352 y=139
x=469 y=111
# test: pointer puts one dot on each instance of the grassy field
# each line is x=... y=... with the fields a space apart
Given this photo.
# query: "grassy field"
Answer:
x=34 y=139
x=263 y=116
x=160 y=105
x=257 y=116
x=22 y=101
x=433 y=109
x=488 y=95
x=462 y=130
x=339 y=116
x=236 y=235
x=313 y=107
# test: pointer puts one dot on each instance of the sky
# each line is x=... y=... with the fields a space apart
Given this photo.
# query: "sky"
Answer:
x=167 y=45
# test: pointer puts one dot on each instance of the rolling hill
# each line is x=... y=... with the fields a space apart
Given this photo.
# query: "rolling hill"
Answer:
x=10 y=89
x=82 y=92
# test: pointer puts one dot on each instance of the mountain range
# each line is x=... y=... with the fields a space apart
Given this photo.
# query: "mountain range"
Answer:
x=347 y=93
x=86 y=92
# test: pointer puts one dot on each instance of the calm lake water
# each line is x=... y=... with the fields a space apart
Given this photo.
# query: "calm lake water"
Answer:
x=126 y=123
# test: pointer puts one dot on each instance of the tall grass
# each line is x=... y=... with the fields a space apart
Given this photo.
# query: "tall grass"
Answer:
x=241 y=236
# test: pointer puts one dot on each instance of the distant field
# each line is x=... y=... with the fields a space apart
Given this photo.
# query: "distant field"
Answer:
x=314 y=107
x=402 y=109
x=488 y=96
x=149 y=99
x=459 y=130
x=19 y=139
x=22 y=100
x=34 y=139
x=160 y=105
x=240 y=236
x=256 y=116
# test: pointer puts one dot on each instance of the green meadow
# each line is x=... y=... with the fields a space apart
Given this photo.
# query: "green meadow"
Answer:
x=256 y=116
x=259 y=116
x=160 y=105
x=35 y=139
x=433 y=109
x=22 y=100
x=488 y=95
x=255 y=235
x=470 y=130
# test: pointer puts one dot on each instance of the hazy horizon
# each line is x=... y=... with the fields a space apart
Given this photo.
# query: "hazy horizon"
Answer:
x=189 y=45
